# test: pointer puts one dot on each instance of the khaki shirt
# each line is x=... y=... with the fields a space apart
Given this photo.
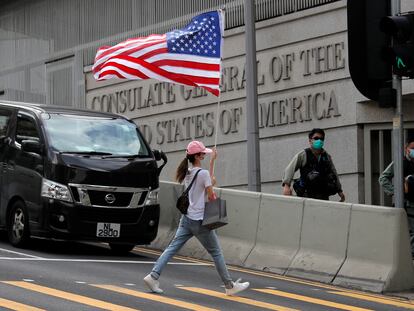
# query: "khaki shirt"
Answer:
x=385 y=180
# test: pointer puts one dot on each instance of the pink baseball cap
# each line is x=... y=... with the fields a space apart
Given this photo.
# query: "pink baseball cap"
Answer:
x=196 y=146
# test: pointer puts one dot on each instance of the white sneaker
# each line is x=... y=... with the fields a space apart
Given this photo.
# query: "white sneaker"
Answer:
x=237 y=288
x=153 y=284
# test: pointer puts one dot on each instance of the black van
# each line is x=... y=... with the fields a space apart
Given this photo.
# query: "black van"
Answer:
x=76 y=174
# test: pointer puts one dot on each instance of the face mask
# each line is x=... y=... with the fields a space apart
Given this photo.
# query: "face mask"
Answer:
x=317 y=144
x=411 y=154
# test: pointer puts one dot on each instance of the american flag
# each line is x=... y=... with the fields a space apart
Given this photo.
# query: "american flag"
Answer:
x=188 y=56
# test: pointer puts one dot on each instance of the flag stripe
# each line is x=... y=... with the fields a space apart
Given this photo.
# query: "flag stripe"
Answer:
x=135 y=52
x=150 y=54
x=133 y=71
x=186 y=64
x=130 y=43
x=111 y=72
x=192 y=72
x=126 y=68
x=215 y=92
x=195 y=74
x=184 y=57
x=152 y=71
x=161 y=46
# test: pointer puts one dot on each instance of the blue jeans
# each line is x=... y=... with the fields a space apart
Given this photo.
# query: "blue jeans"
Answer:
x=208 y=238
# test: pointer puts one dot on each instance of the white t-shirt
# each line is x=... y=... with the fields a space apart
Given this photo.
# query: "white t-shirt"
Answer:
x=197 y=195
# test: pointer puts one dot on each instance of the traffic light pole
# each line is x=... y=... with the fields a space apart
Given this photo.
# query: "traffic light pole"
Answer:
x=398 y=150
x=398 y=129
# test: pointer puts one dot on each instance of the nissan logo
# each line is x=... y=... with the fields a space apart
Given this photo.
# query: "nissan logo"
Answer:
x=110 y=198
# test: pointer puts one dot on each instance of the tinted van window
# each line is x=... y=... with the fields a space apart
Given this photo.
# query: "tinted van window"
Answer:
x=4 y=121
x=26 y=129
x=75 y=133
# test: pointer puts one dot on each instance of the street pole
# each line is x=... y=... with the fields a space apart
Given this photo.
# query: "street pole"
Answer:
x=398 y=129
x=253 y=147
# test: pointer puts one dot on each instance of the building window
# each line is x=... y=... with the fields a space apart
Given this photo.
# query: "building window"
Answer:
x=377 y=156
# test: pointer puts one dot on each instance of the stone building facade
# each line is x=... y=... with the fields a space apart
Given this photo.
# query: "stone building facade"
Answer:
x=47 y=49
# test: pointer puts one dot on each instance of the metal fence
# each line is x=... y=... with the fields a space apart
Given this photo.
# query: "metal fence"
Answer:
x=35 y=35
x=57 y=25
x=160 y=16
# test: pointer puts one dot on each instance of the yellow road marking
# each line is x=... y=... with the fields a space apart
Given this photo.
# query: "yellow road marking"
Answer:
x=247 y=301
x=278 y=277
x=13 y=305
x=68 y=296
x=310 y=299
x=401 y=304
x=154 y=297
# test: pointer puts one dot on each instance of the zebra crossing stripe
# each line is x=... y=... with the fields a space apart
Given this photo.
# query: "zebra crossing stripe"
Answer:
x=69 y=296
x=154 y=297
x=13 y=305
x=310 y=300
x=239 y=299
x=385 y=301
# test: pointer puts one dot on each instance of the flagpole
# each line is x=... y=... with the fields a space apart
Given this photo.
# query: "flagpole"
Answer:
x=222 y=25
x=216 y=129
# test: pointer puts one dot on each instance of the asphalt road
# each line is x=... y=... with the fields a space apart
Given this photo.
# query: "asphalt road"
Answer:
x=55 y=275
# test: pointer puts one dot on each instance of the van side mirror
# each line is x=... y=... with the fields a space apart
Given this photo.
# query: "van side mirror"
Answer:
x=160 y=155
x=31 y=146
x=157 y=154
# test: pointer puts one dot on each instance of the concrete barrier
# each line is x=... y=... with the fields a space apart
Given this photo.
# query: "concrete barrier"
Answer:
x=323 y=240
x=358 y=246
x=379 y=256
x=278 y=233
x=238 y=237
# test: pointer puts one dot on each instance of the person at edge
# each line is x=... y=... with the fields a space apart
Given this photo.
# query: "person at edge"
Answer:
x=385 y=180
x=318 y=176
x=190 y=224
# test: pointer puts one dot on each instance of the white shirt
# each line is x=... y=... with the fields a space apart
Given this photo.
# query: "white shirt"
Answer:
x=197 y=195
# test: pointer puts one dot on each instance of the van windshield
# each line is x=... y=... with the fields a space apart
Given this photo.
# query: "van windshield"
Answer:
x=94 y=135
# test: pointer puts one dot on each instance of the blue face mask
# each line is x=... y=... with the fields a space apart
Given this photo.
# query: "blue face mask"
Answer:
x=317 y=144
x=411 y=154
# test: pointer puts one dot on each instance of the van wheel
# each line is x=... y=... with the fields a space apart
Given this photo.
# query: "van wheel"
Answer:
x=121 y=249
x=18 y=225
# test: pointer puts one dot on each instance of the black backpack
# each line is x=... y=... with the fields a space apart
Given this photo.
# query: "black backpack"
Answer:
x=316 y=176
x=183 y=202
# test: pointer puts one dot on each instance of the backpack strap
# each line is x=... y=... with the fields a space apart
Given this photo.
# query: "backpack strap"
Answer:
x=191 y=184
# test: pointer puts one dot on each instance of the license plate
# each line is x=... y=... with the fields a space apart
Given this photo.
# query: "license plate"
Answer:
x=108 y=230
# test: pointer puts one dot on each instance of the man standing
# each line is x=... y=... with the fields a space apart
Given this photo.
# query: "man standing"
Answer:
x=318 y=176
x=385 y=181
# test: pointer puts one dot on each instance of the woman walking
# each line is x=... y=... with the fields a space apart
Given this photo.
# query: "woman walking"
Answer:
x=190 y=224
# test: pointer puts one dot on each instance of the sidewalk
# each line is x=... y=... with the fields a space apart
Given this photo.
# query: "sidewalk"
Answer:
x=409 y=295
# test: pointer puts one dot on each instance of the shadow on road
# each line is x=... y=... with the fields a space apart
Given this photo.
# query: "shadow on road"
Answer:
x=69 y=248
